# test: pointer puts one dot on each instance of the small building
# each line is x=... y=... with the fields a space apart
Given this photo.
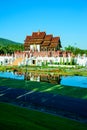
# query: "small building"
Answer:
x=40 y=41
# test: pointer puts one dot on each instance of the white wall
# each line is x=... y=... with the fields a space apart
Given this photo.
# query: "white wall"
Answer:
x=82 y=61
x=4 y=60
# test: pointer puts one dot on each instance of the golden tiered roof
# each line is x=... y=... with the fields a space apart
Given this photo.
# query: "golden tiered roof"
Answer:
x=43 y=40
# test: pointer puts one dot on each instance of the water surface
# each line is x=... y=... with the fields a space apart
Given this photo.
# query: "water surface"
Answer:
x=77 y=81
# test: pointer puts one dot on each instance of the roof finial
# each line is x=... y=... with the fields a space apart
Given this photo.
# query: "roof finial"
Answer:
x=38 y=31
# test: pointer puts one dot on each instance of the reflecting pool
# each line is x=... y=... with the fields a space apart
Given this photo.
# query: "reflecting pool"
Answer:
x=77 y=81
x=12 y=75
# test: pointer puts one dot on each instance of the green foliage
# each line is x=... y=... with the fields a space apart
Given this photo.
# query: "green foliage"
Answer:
x=43 y=64
x=71 y=62
x=61 y=61
x=9 y=47
x=75 y=50
x=67 y=61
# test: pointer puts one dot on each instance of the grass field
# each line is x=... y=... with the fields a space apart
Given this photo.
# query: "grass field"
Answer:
x=16 y=118
x=76 y=92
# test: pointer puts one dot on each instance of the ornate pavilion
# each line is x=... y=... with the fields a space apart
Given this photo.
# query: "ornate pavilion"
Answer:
x=40 y=41
x=42 y=49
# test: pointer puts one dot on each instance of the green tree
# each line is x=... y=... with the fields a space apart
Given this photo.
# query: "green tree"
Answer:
x=75 y=50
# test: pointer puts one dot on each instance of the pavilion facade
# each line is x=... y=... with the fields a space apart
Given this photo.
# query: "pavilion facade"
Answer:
x=40 y=41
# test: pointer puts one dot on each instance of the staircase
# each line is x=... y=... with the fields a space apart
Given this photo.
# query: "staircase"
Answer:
x=17 y=61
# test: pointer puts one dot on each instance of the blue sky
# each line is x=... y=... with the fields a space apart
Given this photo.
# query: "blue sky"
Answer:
x=64 y=18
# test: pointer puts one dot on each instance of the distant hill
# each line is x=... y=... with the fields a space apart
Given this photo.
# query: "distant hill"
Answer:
x=5 y=42
x=8 y=46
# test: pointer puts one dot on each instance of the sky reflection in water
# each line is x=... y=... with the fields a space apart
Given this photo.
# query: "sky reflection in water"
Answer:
x=78 y=81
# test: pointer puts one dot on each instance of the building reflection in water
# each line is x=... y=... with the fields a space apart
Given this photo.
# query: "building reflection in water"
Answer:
x=49 y=78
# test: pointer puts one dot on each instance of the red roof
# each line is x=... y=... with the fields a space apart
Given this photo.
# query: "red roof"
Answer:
x=53 y=44
x=48 y=37
x=45 y=43
x=34 y=41
x=40 y=35
x=28 y=38
x=43 y=39
x=55 y=39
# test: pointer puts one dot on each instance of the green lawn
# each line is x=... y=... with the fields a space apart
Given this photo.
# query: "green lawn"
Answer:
x=16 y=118
x=76 y=92
x=78 y=70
